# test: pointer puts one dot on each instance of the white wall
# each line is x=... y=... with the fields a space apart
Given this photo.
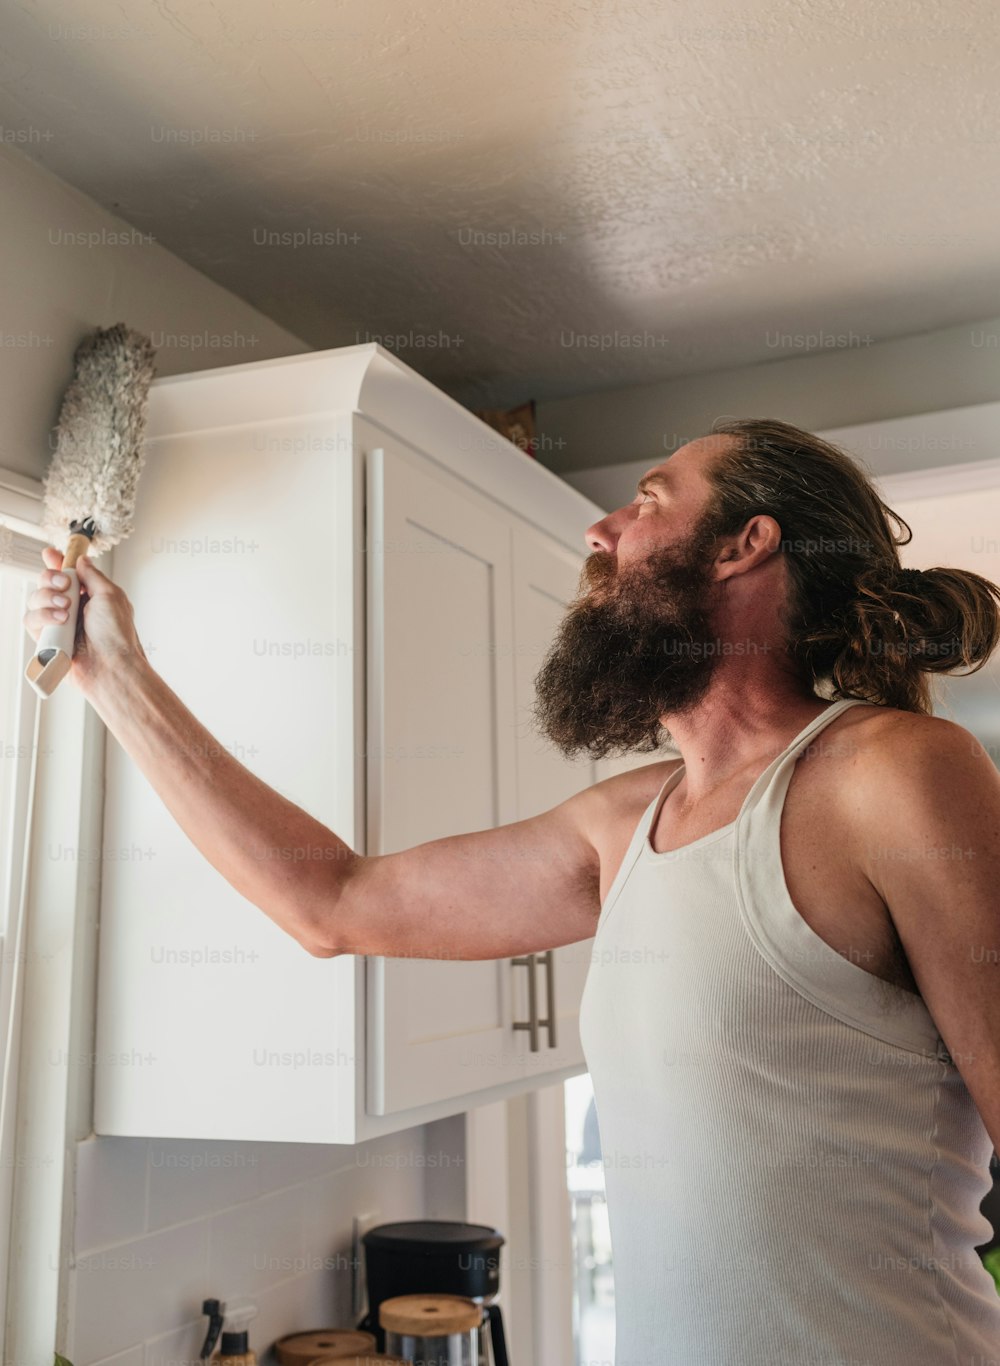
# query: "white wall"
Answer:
x=159 y=1226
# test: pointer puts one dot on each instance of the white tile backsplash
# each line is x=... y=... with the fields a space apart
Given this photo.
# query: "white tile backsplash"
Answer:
x=256 y=1245
x=162 y=1224
x=133 y=1357
x=143 y=1288
x=285 y=1164
x=179 y=1347
x=188 y=1180
x=110 y=1190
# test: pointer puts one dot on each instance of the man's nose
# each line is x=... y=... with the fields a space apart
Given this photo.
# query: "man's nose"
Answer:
x=598 y=538
x=602 y=536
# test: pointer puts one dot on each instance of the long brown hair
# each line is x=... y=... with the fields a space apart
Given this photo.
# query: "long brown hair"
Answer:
x=856 y=619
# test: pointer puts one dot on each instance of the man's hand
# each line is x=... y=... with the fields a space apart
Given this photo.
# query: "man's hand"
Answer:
x=105 y=633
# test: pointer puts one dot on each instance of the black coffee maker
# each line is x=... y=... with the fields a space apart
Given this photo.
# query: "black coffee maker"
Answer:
x=437 y=1256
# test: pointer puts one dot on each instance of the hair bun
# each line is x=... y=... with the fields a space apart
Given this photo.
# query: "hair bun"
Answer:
x=908 y=579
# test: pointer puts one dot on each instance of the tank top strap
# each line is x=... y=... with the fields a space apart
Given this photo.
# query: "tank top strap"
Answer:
x=635 y=848
x=794 y=950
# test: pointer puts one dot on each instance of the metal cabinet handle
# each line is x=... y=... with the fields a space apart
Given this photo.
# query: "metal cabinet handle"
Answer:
x=550 y=995
x=528 y=961
x=533 y=1023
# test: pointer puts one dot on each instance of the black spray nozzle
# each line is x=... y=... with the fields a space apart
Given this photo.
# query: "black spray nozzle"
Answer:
x=216 y=1312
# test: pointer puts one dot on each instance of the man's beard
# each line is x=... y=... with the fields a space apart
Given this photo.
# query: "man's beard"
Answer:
x=632 y=649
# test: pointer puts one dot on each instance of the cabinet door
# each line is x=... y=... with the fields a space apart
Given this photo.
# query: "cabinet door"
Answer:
x=245 y=573
x=440 y=761
x=546 y=577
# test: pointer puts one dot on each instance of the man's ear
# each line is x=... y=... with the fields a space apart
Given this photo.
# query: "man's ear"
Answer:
x=754 y=545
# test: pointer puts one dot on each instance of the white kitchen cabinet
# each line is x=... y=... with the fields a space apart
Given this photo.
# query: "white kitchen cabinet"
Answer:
x=440 y=624
x=245 y=573
x=546 y=576
x=350 y=580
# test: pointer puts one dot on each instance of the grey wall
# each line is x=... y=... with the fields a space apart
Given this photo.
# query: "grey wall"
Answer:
x=824 y=389
x=158 y=1226
x=67 y=266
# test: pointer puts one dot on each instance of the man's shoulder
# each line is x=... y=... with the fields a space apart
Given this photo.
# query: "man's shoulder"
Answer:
x=640 y=782
x=894 y=755
x=878 y=735
x=619 y=800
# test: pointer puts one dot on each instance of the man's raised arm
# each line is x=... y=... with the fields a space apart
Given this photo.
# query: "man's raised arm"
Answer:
x=527 y=886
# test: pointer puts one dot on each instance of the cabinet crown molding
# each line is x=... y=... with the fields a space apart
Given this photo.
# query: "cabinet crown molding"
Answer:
x=369 y=380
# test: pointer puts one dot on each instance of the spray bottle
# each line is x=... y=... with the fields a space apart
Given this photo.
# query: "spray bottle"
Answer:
x=230 y=1318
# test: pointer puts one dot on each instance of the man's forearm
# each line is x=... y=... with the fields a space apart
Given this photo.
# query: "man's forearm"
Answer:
x=252 y=835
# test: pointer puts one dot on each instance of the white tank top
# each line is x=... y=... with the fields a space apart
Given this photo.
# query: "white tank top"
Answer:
x=793 y=1164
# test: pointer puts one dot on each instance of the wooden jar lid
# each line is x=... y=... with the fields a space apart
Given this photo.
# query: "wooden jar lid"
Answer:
x=301 y=1349
x=430 y=1316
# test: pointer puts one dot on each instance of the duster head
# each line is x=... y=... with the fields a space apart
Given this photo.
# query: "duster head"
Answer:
x=94 y=473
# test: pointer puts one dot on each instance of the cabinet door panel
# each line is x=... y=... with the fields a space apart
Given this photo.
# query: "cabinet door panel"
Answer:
x=546 y=577
x=193 y=979
x=439 y=677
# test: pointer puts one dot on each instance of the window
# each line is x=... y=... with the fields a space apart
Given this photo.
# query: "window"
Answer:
x=19 y=722
x=50 y=797
x=593 y=1280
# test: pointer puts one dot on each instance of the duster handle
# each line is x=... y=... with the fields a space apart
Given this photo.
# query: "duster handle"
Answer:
x=54 y=648
x=77 y=545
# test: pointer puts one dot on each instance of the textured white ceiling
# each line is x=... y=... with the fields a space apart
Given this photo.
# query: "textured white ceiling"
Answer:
x=706 y=186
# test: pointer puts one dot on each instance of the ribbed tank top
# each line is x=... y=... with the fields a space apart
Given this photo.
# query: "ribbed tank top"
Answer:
x=793 y=1164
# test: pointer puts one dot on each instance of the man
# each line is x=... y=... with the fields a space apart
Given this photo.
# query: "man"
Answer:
x=796 y=1058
